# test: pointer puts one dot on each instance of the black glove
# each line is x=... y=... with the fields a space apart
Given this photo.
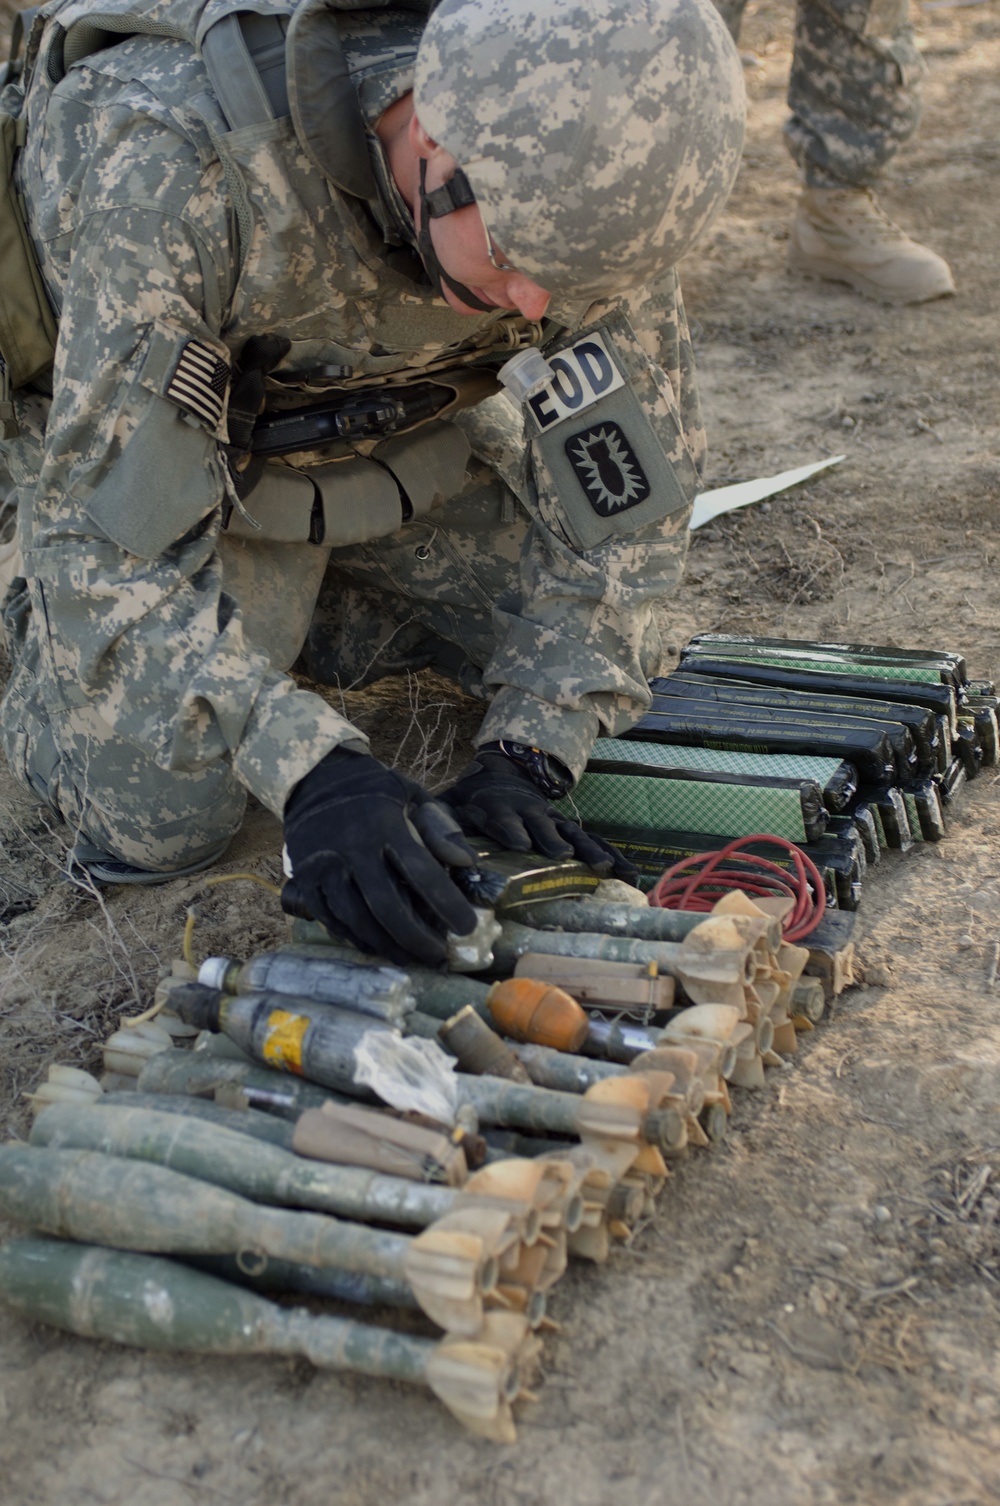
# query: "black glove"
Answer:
x=499 y=798
x=367 y=847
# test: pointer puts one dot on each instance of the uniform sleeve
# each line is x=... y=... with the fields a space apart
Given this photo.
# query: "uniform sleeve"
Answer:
x=127 y=513
x=616 y=451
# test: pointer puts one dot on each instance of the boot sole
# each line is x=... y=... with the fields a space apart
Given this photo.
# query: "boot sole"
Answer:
x=834 y=271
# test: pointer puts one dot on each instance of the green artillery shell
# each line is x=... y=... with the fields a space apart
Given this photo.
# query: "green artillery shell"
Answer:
x=241 y=1121
x=265 y=1173
x=191 y=1072
x=504 y=1143
x=439 y=994
x=618 y=1040
x=281 y=1276
x=157 y=1304
x=514 y=1106
x=444 y=994
x=315 y=1041
x=562 y=1070
x=311 y=973
x=652 y=924
x=134 y=1206
x=732 y=967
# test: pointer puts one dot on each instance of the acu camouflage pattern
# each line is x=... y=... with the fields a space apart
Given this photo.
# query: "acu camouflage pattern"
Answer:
x=141 y=708
x=600 y=137
x=854 y=88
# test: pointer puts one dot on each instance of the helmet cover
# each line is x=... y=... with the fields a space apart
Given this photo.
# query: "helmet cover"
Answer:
x=601 y=137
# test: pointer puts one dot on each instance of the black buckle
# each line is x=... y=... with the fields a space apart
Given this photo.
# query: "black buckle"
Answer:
x=553 y=779
x=455 y=194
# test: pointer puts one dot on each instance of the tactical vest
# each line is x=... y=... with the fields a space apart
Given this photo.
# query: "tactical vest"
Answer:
x=284 y=59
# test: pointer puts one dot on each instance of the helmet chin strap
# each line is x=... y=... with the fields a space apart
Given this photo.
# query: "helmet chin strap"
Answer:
x=455 y=194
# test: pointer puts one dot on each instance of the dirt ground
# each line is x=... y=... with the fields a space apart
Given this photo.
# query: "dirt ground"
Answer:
x=813 y=1315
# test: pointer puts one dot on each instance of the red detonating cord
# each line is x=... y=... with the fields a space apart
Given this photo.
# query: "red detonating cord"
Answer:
x=696 y=882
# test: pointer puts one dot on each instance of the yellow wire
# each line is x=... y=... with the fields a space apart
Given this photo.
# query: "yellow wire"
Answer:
x=147 y=1014
x=187 y=948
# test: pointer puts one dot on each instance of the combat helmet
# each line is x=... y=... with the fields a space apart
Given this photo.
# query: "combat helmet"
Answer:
x=598 y=137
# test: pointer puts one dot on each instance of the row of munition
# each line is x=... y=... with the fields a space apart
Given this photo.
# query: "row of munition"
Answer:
x=163 y=1171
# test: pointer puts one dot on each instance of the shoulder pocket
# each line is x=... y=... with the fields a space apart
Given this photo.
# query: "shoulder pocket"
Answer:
x=155 y=467
x=605 y=439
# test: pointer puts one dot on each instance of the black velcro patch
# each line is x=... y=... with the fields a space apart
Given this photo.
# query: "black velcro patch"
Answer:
x=607 y=468
x=199 y=382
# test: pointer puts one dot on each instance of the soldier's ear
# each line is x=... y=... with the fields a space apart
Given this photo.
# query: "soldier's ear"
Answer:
x=423 y=144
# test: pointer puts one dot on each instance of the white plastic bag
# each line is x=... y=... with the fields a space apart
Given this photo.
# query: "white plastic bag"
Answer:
x=408 y=1073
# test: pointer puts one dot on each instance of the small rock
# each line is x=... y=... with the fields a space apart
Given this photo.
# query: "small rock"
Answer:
x=965 y=941
x=819 y=1343
x=834 y=1249
x=877 y=975
x=752 y=1367
x=881 y=1214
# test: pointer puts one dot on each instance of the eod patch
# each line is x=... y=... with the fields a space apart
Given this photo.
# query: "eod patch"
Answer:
x=599 y=458
x=607 y=468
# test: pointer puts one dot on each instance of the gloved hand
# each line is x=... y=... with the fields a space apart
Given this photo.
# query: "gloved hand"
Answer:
x=499 y=798
x=367 y=847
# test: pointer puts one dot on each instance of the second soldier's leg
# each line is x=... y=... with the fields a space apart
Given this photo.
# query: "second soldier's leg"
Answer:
x=854 y=93
x=731 y=12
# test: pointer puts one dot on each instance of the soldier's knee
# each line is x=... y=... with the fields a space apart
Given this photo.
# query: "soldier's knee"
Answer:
x=160 y=841
x=112 y=795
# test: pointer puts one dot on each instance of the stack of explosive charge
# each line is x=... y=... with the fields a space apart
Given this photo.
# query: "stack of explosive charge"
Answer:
x=845 y=750
x=417 y=1154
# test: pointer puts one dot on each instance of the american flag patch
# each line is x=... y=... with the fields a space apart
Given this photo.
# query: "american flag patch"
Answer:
x=199 y=382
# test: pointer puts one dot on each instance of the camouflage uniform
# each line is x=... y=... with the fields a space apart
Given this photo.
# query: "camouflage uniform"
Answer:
x=854 y=88
x=150 y=642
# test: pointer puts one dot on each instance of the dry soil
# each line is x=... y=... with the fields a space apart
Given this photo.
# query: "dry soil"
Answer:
x=813 y=1314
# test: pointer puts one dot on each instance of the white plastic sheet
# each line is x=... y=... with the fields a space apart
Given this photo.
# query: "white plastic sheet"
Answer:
x=709 y=505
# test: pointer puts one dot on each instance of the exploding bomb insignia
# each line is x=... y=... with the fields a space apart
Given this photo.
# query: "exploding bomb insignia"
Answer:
x=608 y=469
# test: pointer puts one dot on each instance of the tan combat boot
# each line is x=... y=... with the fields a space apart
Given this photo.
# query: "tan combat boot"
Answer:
x=844 y=235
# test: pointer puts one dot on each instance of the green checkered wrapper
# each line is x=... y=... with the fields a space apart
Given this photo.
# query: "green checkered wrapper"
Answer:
x=650 y=805
x=716 y=760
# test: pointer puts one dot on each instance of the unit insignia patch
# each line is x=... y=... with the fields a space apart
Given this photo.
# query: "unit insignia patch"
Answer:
x=608 y=470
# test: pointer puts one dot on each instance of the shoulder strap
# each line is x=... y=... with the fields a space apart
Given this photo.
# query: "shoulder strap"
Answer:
x=245 y=57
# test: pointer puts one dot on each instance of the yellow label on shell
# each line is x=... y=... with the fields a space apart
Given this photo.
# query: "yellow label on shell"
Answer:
x=283 y=1041
x=538 y=886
